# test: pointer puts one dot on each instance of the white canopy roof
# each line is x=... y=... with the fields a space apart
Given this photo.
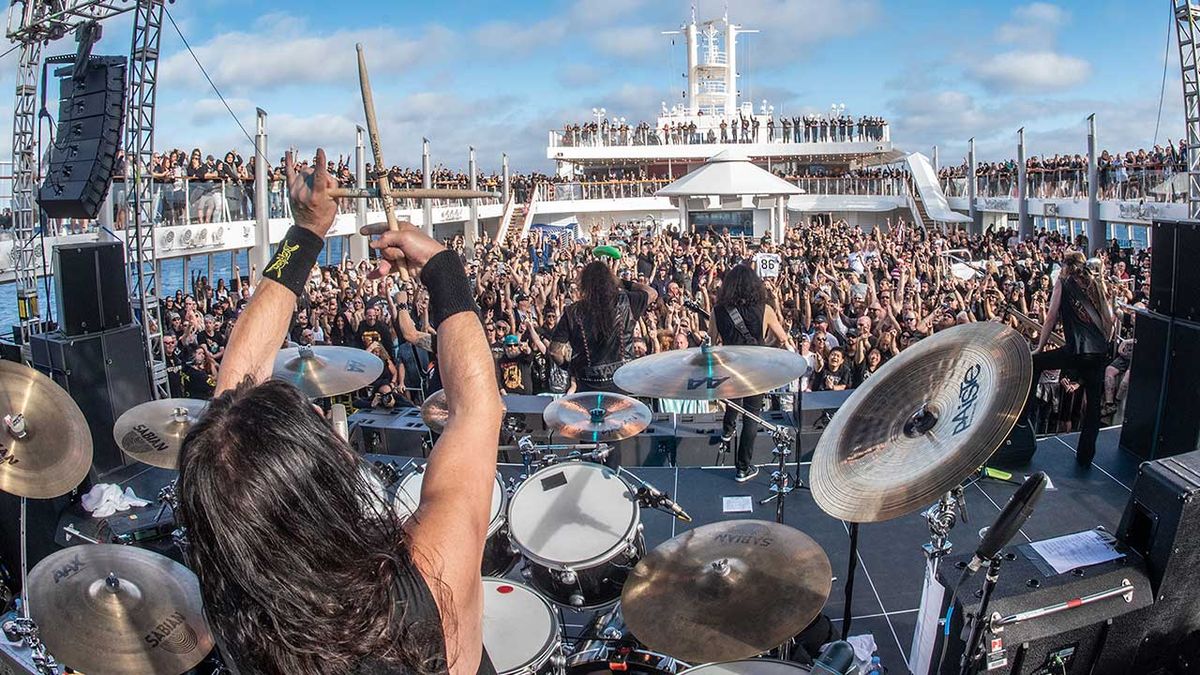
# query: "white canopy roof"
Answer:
x=727 y=174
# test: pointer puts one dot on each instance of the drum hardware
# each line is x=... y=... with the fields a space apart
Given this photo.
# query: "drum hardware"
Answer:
x=651 y=497
x=71 y=531
x=387 y=472
x=941 y=518
x=535 y=456
x=607 y=645
x=167 y=497
x=781 y=482
x=25 y=631
x=522 y=632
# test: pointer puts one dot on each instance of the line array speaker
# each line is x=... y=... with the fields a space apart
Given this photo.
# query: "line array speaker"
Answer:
x=91 y=112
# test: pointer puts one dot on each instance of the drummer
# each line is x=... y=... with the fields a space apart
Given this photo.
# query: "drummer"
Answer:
x=293 y=577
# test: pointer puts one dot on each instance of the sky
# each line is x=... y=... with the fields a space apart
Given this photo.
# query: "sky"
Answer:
x=499 y=76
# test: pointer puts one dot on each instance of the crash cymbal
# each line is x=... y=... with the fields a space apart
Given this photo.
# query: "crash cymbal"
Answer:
x=153 y=432
x=597 y=416
x=435 y=413
x=729 y=590
x=45 y=443
x=326 y=371
x=922 y=423
x=710 y=373
x=106 y=608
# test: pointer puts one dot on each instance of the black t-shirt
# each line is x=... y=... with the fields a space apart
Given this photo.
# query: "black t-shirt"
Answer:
x=752 y=318
x=378 y=333
x=197 y=383
x=827 y=379
x=174 y=364
x=595 y=359
x=214 y=343
x=513 y=373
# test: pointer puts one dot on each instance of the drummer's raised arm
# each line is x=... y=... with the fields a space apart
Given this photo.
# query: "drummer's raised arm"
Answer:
x=260 y=329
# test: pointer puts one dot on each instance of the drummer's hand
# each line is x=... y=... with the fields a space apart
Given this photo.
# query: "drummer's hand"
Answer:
x=308 y=192
x=407 y=246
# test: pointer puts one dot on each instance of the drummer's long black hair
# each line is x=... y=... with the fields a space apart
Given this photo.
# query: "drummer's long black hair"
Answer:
x=741 y=287
x=597 y=299
x=297 y=559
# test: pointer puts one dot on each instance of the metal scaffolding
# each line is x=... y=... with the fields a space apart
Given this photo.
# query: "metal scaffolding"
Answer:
x=139 y=150
x=1185 y=28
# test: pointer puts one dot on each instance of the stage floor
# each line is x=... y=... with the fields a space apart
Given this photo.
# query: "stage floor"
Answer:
x=891 y=565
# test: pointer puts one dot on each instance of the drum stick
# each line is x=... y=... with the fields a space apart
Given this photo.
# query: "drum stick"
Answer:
x=385 y=192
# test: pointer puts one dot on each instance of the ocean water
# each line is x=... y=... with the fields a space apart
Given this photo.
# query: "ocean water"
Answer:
x=175 y=274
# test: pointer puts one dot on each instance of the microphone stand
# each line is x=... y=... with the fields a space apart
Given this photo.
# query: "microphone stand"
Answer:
x=781 y=482
x=974 y=645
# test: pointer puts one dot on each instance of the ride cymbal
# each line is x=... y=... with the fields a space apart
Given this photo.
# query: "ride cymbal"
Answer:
x=922 y=423
x=597 y=416
x=710 y=373
x=435 y=412
x=106 y=608
x=729 y=590
x=153 y=432
x=45 y=443
x=326 y=371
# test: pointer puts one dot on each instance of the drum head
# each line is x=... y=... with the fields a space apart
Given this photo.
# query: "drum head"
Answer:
x=408 y=497
x=572 y=515
x=748 y=667
x=520 y=629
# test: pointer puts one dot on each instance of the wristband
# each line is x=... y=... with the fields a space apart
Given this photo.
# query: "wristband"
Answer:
x=295 y=258
x=449 y=291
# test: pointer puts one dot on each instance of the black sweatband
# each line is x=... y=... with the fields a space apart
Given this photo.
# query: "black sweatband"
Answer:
x=449 y=290
x=294 y=259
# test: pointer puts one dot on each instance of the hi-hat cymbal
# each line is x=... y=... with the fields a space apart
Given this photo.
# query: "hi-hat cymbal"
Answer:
x=435 y=412
x=922 y=423
x=45 y=443
x=153 y=432
x=729 y=590
x=326 y=371
x=597 y=416
x=710 y=373
x=106 y=608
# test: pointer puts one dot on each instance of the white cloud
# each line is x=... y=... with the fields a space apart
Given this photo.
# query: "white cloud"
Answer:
x=1026 y=71
x=285 y=54
x=1033 y=24
x=790 y=28
x=631 y=42
x=512 y=38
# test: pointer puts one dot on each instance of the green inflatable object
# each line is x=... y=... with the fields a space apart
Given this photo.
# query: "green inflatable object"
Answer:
x=608 y=251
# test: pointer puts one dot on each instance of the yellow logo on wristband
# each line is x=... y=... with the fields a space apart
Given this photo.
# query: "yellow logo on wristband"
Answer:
x=282 y=258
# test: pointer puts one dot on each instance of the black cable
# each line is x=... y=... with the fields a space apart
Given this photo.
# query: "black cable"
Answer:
x=210 y=81
x=966 y=572
x=1162 y=90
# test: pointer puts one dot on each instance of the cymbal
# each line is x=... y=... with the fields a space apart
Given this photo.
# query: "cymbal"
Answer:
x=597 y=416
x=435 y=412
x=55 y=452
x=921 y=424
x=153 y=432
x=106 y=608
x=326 y=371
x=728 y=590
x=710 y=373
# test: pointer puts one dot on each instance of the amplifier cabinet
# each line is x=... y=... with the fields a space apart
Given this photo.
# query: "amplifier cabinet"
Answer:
x=1102 y=637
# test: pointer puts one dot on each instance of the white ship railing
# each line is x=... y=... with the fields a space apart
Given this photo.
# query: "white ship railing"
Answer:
x=1152 y=185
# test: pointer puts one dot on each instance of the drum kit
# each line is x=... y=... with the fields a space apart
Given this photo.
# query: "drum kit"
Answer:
x=731 y=595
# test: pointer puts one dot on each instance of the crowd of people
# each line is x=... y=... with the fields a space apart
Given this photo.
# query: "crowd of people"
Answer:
x=848 y=300
x=762 y=128
x=1130 y=175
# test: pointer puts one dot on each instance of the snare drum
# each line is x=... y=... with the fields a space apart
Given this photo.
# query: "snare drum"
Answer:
x=521 y=631
x=610 y=648
x=749 y=667
x=498 y=556
x=579 y=527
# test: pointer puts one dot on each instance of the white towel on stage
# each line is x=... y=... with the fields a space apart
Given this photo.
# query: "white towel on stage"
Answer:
x=105 y=499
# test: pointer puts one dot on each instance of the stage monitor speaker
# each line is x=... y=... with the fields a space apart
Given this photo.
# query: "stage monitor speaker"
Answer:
x=1162 y=523
x=1162 y=406
x=1099 y=637
x=91 y=112
x=1174 y=272
x=106 y=374
x=90 y=286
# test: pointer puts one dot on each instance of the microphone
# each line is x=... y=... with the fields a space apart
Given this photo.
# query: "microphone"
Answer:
x=1015 y=513
x=695 y=307
x=655 y=498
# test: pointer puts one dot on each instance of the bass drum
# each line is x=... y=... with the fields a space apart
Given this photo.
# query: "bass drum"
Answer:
x=607 y=646
x=579 y=527
x=521 y=631
x=498 y=556
x=749 y=667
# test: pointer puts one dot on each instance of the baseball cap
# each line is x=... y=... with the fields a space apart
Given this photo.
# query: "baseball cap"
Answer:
x=511 y=340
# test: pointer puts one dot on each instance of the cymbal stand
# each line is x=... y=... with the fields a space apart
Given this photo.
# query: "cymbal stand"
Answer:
x=781 y=482
x=941 y=518
x=25 y=631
